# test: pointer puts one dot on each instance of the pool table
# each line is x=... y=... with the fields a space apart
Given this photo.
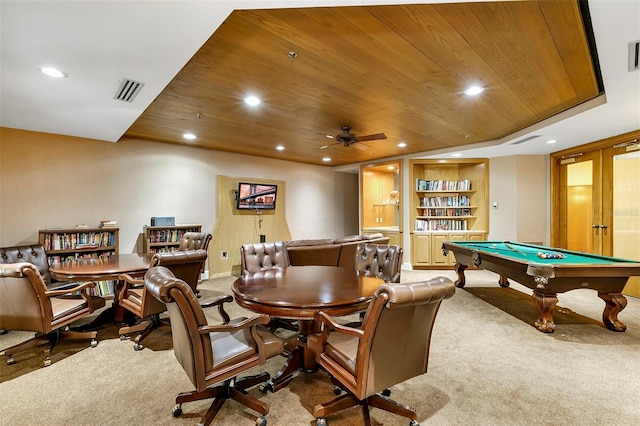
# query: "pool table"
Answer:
x=525 y=263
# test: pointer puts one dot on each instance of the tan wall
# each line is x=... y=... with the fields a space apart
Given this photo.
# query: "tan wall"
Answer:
x=59 y=181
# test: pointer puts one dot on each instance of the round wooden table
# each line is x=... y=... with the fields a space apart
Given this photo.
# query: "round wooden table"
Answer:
x=298 y=292
x=102 y=269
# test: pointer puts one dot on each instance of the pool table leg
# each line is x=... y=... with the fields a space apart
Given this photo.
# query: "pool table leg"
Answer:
x=545 y=304
x=459 y=268
x=615 y=302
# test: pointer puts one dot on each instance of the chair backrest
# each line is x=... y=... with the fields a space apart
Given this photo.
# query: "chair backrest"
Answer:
x=397 y=333
x=383 y=261
x=204 y=357
x=185 y=265
x=33 y=253
x=258 y=257
x=23 y=304
x=194 y=241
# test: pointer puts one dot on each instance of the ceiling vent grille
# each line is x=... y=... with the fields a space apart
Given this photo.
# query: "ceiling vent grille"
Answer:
x=524 y=140
x=634 y=55
x=128 y=90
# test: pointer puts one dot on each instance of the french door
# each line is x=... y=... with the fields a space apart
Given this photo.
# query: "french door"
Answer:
x=596 y=200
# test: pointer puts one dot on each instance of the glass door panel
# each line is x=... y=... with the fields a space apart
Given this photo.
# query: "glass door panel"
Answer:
x=624 y=211
x=582 y=210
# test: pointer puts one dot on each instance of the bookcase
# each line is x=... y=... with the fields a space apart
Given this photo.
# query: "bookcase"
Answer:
x=450 y=202
x=62 y=245
x=165 y=238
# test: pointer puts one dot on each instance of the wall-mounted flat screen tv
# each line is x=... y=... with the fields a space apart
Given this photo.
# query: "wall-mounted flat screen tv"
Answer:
x=256 y=196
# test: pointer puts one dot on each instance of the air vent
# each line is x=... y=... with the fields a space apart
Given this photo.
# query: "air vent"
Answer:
x=524 y=140
x=634 y=55
x=128 y=90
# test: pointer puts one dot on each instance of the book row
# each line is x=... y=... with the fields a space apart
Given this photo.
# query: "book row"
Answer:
x=451 y=201
x=440 y=225
x=76 y=256
x=166 y=235
x=433 y=211
x=79 y=240
x=443 y=185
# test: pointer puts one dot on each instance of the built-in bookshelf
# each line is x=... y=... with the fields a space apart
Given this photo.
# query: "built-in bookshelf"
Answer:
x=449 y=202
x=166 y=238
x=64 y=245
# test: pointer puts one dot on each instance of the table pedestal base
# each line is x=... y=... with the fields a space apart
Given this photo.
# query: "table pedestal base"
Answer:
x=300 y=358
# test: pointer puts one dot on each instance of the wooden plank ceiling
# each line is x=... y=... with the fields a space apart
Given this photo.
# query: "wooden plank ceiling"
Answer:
x=397 y=70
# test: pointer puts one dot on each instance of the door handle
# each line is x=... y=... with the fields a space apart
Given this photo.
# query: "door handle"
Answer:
x=603 y=226
x=595 y=226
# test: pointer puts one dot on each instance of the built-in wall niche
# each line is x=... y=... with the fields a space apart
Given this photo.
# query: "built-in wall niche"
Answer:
x=380 y=196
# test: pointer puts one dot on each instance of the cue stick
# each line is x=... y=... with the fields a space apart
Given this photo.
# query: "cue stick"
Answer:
x=510 y=247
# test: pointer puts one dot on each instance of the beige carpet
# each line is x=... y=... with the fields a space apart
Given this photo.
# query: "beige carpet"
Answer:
x=488 y=366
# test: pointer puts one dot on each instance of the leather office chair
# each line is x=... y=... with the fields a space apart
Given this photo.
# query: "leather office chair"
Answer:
x=213 y=354
x=26 y=304
x=382 y=260
x=133 y=296
x=258 y=257
x=392 y=346
x=195 y=241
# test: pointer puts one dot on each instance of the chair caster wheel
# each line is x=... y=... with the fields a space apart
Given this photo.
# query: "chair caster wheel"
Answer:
x=263 y=388
x=337 y=390
x=177 y=410
x=47 y=362
x=261 y=421
x=138 y=347
x=10 y=360
x=414 y=423
x=94 y=343
x=321 y=422
x=123 y=337
x=386 y=392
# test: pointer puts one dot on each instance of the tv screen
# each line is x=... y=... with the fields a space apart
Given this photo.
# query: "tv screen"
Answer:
x=256 y=196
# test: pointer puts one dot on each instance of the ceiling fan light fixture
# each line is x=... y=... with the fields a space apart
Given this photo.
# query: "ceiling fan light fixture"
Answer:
x=474 y=90
x=252 y=100
x=53 y=72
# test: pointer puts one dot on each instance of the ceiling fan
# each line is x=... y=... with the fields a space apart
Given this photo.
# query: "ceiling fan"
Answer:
x=347 y=138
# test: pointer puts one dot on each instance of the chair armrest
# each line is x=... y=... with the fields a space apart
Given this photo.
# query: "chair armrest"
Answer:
x=331 y=325
x=128 y=282
x=219 y=302
x=247 y=323
x=82 y=287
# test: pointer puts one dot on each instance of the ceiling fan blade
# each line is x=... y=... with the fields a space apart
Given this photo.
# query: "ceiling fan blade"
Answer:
x=371 y=137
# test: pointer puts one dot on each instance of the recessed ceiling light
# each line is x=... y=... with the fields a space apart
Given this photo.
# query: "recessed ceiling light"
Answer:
x=402 y=144
x=456 y=154
x=189 y=136
x=550 y=141
x=326 y=159
x=53 y=72
x=280 y=148
x=473 y=91
x=252 y=100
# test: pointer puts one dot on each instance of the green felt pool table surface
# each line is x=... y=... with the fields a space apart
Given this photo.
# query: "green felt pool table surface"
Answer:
x=548 y=276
